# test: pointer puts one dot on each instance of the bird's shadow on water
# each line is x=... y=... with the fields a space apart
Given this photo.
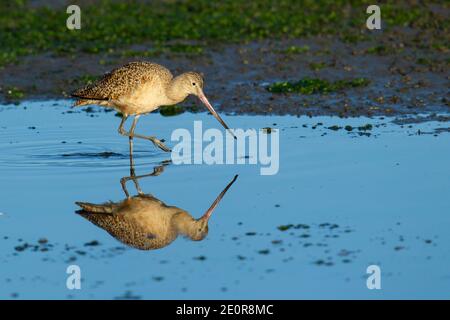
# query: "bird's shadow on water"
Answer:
x=145 y=222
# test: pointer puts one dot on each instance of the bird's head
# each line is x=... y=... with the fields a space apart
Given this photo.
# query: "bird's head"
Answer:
x=192 y=83
x=199 y=229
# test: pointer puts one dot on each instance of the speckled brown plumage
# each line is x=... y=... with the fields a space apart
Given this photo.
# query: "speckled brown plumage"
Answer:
x=146 y=223
x=142 y=222
x=139 y=88
x=123 y=81
x=126 y=231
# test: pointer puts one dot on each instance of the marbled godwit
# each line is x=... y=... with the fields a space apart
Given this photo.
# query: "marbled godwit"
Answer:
x=146 y=223
x=140 y=87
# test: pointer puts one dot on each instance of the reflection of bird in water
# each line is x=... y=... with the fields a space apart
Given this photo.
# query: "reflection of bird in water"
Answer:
x=145 y=222
x=141 y=87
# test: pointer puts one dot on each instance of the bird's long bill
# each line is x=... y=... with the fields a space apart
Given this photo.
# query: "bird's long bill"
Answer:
x=209 y=212
x=214 y=113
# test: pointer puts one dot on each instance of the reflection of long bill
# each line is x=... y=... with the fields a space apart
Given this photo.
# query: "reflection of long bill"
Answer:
x=209 y=212
x=214 y=113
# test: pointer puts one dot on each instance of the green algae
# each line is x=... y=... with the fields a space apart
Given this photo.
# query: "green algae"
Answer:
x=14 y=93
x=168 y=111
x=309 y=86
x=28 y=30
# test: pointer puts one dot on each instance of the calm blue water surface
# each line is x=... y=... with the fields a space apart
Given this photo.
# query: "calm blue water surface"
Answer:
x=356 y=200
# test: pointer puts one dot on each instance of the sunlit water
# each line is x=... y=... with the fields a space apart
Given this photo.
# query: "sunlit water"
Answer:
x=353 y=200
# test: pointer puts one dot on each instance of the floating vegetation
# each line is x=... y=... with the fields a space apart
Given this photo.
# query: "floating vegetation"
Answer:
x=92 y=243
x=334 y=128
x=290 y=226
x=365 y=127
x=322 y=262
x=285 y=227
x=314 y=86
x=174 y=110
x=200 y=258
x=168 y=111
x=328 y=225
x=158 y=278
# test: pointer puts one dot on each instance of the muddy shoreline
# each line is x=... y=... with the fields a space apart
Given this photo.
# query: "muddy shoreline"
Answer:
x=404 y=65
x=237 y=77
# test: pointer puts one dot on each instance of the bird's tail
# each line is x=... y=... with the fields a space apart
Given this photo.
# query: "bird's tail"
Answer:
x=107 y=208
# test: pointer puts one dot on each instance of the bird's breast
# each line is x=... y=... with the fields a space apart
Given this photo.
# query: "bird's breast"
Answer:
x=147 y=98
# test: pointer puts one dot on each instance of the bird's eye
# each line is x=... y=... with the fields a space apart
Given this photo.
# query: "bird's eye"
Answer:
x=193 y=83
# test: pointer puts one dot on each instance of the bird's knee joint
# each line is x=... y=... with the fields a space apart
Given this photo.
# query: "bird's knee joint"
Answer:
x=122 y=132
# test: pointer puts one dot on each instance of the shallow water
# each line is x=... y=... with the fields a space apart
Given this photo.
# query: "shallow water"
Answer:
x=353 y=200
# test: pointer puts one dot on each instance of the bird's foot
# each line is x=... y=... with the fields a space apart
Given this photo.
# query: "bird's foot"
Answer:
x=123 y=132
x=157 y=170
x=159 y=144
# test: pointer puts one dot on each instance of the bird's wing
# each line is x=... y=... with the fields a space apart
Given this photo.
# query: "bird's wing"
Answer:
x=127 y=231
x=122 y=81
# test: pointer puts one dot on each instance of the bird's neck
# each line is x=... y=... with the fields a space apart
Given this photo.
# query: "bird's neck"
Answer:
x=175 y=91
x=184 y=223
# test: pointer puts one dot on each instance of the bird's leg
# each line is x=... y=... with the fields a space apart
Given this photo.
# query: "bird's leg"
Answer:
x=131 y=157
x=132 y=135
x=130 y=139
x=121 y=130
x=123 y=182
x=132 y=176
x=156 y=172
x=153 y=139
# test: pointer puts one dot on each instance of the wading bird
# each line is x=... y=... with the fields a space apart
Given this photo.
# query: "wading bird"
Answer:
x=144 y=222
x=138 y=88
